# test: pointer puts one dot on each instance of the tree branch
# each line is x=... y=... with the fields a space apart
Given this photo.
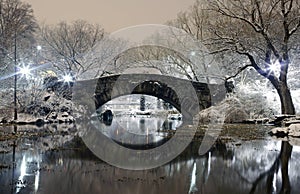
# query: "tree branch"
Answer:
x=240 y=70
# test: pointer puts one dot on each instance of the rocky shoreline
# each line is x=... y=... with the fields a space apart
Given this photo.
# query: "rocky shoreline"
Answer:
x=50 y=109
x=53 y=109
x=286 y=126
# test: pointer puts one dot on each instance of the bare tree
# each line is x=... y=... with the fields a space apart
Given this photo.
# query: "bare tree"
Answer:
x=69 y=44
x=172 y=51
x=193 y=21
x=17 y=27
x=257 y=34
x=165 y=60
x=100 y=60
x=263 y=32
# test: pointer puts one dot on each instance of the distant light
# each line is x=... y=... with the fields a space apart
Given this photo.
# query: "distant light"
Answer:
x=25 y=70
x=39 y=47
x=67 y=78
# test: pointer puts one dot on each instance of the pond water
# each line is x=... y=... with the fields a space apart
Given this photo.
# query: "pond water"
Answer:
x=139 y=132
x=58 y=161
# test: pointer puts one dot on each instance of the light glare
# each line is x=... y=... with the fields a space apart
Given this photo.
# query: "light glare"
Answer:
x=67 y=78
x=275 y=67
x=25 y=70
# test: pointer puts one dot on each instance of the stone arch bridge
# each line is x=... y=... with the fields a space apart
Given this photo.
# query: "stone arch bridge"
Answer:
x=189 y=97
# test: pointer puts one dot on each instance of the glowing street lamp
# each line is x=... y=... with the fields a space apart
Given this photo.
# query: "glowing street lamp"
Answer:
x=275 y=67
x=25 y=70
x=67 y=78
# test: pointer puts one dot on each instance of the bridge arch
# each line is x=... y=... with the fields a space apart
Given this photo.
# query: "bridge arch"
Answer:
x=151 y=88
x=188 y=100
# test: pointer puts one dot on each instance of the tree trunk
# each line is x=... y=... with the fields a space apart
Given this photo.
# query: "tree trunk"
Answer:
x=287 y=106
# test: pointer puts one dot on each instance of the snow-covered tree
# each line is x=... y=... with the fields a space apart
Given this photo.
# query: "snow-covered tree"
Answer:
x=173 y=52
x=249 y=34
x=17 y=27
x=262 y=33
x=66 y=45
x=80 y=49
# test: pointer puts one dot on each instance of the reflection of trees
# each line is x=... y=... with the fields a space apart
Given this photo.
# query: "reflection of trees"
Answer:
x=281 y=162
x=285 y=155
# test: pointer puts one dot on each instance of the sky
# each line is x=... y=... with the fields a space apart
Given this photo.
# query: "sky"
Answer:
x=112 y=15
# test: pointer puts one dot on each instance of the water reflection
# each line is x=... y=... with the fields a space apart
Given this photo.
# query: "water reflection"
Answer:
x=25 y=172
x=143 y=132
x=262 y=166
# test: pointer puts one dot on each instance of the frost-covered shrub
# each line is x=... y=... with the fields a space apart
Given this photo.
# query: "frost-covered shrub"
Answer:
x=260 y=100
x=230 y=110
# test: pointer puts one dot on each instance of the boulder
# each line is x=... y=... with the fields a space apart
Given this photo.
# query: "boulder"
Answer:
x=53 y=115
x=279 y=119
x=39 y=122
x=5 y=120
x=53 y=108
x=294 y=130
x=46 y=97
x=291 y=120
x=64 y=114
x=291 y=131
x=280 y=131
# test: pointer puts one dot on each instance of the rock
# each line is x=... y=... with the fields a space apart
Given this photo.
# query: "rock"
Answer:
x=65 y=119
x=53 y=115
x=38 y=109
x=44 y=110
x=65 y=108
x=46 y=97
x=5 y=120
x=280 y=131
x=283 y=116
x=292 y=120
x=291 y=131
x=294 y=130
x=71 y=119
x=39 y=122
x=64 y=114
x=280 y=118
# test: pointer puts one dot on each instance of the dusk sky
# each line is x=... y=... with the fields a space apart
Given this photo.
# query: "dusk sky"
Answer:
x=111 y=14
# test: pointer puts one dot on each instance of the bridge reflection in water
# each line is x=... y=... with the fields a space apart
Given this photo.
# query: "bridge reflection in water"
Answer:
x=133 y=124
x=140 y=132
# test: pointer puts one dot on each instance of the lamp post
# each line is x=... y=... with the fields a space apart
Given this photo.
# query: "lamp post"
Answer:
x=23 y=70
x=16 y=78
